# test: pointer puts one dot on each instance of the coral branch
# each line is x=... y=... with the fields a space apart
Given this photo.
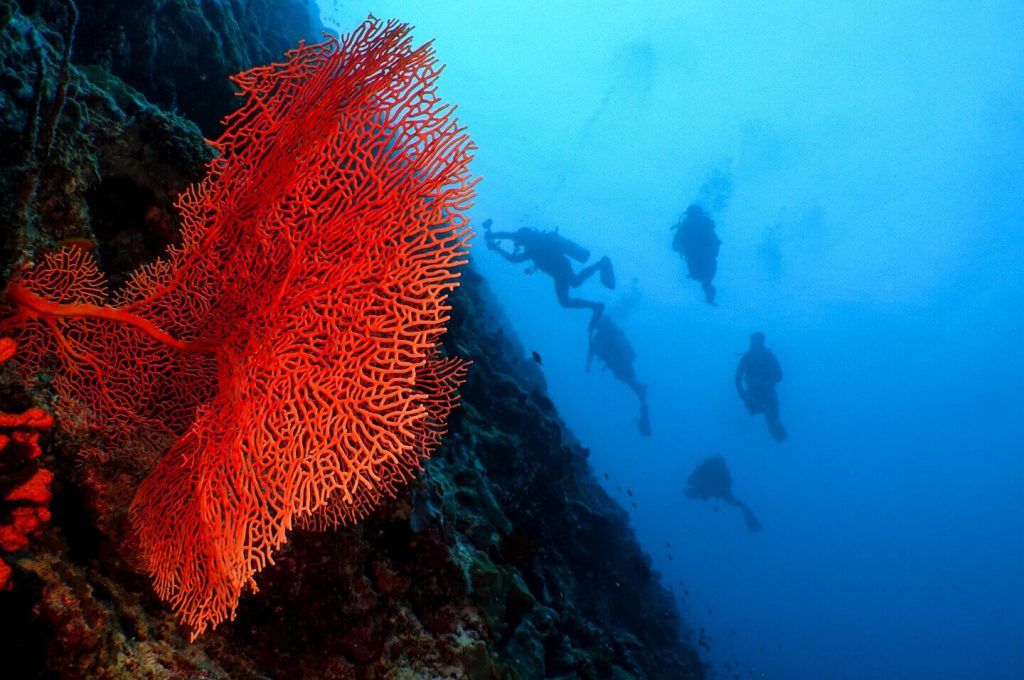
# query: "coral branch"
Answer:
x=29 y=305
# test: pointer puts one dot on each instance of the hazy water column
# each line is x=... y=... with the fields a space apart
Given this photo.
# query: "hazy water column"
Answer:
x=874 y=234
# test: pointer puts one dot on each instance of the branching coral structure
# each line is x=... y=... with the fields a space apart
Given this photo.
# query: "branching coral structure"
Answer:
x=281 y=365
x=24 y=485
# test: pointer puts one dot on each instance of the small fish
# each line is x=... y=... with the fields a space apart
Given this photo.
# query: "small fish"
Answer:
x=669 y=545
x=619 y=489
x=633 y=503
x=606 y=475
x=536 y=358
x=709 y=610
x=629 y=492
x=670 y=558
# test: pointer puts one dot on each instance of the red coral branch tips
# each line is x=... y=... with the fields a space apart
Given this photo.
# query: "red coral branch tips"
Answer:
x=24 y=486
x=310 y=286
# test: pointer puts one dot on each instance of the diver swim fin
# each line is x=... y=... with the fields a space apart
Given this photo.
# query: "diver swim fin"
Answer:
x=778 y=432
x=607 y=273
x=753 y=525
x=644 y=423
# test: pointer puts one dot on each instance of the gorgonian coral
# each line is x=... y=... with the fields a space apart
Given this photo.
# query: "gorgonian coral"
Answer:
x=282 y=363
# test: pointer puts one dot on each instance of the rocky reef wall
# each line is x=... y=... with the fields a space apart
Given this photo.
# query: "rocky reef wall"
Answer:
x=181 y=52
x=504 y=559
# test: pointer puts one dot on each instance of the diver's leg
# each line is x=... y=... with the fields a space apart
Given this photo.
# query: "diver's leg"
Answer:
x=753 y=525
x=577 y=279
x=643 y=424
x=771 y=416
x=604 y=265
x=638 y=387
x=562 y=293
x=709 y=292
x=625 y=374
x=754 y=400
x=607 y=273
x=776 y=429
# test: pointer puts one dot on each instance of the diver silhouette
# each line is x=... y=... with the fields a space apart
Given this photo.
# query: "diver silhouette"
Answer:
x=711 y=479
x=609 y=344
x=696 y=241
x=550 y=253
x=757 y=374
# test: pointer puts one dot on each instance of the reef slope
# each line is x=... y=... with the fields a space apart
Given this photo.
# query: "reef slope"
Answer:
x=504 y=559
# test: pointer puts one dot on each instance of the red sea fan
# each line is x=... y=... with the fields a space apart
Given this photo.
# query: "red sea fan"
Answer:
x=286 y=353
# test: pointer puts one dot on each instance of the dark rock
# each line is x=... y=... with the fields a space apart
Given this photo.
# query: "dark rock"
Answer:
x=182 y=52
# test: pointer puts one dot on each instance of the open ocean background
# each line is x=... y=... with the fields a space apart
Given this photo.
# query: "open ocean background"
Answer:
x=875 y=156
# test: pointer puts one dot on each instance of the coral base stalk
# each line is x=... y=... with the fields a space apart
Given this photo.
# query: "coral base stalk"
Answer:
x=32 y=306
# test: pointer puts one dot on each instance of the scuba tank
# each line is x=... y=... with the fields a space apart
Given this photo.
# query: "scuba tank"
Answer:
x=547 y=241
x=570 y=248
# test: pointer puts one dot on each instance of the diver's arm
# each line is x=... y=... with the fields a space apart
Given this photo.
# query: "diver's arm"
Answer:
x=492 y=244
x=514 y=258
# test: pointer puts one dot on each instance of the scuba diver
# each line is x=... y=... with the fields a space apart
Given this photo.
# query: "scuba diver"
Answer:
x=696 y=241
x=550 y=253
x=756 y=376
x=711 y=479
x=609 y=344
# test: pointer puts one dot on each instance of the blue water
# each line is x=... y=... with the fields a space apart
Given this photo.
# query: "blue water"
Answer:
x=874 y=232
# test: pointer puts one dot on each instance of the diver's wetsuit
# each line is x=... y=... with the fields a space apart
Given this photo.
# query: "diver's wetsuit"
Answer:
x=711 y=479
x=609 y=344
x=696 y=240
x=756 y=376
x=547 y=251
